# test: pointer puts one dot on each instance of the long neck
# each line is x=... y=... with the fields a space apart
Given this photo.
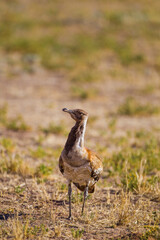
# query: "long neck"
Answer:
x=76 y=136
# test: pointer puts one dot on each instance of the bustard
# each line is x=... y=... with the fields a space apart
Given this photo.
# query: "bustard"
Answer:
x=79 y=165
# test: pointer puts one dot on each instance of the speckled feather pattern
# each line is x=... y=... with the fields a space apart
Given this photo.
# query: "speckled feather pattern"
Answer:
x=77 y=163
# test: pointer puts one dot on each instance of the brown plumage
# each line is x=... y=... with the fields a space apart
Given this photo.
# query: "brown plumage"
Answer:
x=79 y=165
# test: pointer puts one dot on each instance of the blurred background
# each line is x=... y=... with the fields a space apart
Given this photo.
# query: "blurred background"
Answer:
x=103 y=56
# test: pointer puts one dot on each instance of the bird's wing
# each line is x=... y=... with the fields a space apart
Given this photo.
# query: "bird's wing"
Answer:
x=61 y=165
x=96 y=170
x=95 y=164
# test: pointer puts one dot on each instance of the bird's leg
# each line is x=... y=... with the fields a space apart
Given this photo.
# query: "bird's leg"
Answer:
x=85 y=197
x=69 y=195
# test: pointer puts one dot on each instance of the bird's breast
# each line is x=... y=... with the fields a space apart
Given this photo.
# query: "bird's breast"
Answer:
x=81 y=174
x=75 y=157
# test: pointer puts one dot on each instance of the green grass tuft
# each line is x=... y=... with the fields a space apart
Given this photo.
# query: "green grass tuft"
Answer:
x=38 y=153
x=81 y=93
x=3 y=114
x=18 y=124
x=43 y=170
x=132 y=108
x=8 y=144
x=53 y=128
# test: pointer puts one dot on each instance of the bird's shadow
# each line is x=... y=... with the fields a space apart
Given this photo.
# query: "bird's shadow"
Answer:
x=60 y=202
x=5 y=216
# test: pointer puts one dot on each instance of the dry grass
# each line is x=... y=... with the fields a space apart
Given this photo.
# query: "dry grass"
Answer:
x=41 y=213
x=128 y=209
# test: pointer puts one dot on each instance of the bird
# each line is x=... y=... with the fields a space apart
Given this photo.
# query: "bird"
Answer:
x=78 y=164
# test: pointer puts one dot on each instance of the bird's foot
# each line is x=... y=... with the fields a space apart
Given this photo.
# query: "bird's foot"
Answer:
x=69 y=218
x=82 y=213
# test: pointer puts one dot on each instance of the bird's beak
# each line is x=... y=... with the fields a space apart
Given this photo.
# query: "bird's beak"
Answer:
x=67 y=110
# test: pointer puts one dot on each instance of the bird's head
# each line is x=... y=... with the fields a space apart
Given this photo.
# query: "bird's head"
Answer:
x=77 y=114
